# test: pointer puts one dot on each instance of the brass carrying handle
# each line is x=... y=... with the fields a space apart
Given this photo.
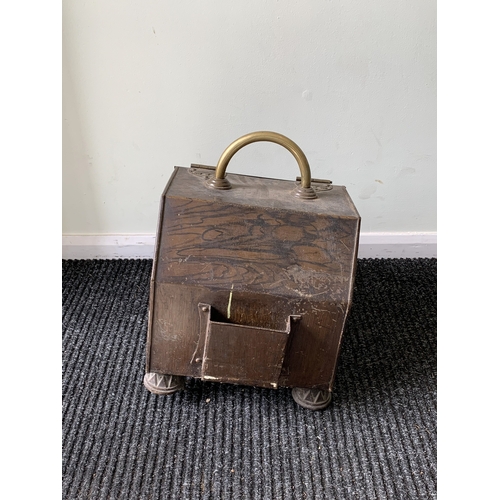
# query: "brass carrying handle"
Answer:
x=304 y=191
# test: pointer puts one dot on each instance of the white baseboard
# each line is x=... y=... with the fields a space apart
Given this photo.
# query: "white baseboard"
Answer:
x=397 y=245
x=108 y=246
x=141 y=246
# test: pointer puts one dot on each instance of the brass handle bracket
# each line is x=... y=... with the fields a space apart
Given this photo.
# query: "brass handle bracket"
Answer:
x=303 y=191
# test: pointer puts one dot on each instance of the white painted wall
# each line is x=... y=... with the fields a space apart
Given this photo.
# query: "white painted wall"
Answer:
x=152 y=84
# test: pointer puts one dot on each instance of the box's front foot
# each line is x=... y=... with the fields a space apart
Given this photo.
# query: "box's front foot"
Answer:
x=312 y=399
x=161 y=384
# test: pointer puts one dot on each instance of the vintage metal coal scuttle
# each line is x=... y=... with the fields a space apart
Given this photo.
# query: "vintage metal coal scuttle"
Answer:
x=252 y=279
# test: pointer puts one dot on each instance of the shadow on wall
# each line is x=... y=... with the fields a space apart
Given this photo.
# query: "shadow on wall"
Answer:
x=78 y=187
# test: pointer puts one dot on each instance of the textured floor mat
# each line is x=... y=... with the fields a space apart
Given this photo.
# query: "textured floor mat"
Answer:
x=214 y=441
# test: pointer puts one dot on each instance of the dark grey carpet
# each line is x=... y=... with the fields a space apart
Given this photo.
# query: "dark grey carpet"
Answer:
x=376 y=441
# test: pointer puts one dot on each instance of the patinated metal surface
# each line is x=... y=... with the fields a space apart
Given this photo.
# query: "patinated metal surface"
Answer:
x=252 y=284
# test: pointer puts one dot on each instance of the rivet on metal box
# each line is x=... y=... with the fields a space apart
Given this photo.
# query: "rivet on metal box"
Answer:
x=252 y=279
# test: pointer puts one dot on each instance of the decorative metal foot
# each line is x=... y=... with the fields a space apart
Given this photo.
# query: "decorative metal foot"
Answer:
x=312 y=399
x=161 y=385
